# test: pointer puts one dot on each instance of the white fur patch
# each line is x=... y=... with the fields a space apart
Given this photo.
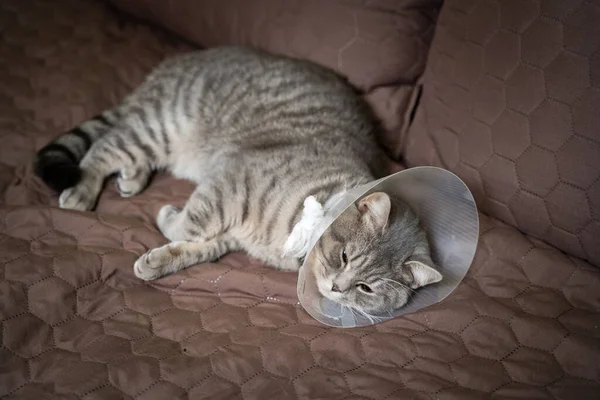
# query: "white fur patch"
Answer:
x=296 y=244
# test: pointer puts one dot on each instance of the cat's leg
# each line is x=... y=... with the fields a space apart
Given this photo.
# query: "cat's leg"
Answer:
x=112 y=153
x=207 y=214
x=178 y=255
x=197 y=232
x=84 y=195
x=132 y=180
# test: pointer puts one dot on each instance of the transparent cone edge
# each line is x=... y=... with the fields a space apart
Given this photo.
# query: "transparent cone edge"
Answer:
x=448 y=213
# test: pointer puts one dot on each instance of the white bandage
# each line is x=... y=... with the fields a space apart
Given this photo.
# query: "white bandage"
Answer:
x=296 y=244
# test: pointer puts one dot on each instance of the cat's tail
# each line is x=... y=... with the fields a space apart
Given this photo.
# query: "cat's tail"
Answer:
x=57 y=163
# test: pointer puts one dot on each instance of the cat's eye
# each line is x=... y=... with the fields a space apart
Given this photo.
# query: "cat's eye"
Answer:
x=364 y=287
x=344 y=257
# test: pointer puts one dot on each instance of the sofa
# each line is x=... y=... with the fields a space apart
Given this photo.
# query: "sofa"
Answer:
x=504 y=93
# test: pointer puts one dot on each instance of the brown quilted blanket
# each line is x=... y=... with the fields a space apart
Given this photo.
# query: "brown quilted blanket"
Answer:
x=77 y=324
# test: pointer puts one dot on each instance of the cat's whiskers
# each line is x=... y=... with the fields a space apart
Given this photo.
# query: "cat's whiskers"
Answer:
x=318 y=256
x=402 y=285
x=354 y=311
x=409 y=290
x=356 y=316
x=371 y=317
x=394 y=288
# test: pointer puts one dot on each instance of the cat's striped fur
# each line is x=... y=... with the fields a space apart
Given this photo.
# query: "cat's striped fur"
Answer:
x=257 y=133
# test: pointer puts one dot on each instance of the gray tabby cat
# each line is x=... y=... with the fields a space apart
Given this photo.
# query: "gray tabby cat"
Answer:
x=258 y=134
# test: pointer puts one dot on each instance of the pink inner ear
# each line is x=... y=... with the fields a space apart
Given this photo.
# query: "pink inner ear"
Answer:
x=363 y=204
x=363 y=207
x=377 y=199
x=376 y=209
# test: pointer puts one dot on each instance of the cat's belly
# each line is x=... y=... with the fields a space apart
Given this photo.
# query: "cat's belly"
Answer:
x=187 y=169
x=197 y=165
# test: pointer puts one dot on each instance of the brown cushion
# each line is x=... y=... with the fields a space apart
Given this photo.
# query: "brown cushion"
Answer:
x=76 y=321
x=76 y=324
x=381 y=46
x=511 y=103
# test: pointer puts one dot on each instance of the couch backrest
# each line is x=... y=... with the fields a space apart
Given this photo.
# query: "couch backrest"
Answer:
x=511 y=103
x=380 y=45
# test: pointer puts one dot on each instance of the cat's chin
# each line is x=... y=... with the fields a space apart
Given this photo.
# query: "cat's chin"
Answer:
x=324 y=286
x=336 y=297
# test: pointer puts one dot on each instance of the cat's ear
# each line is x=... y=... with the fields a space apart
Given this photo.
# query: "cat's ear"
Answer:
x=423 y=271
x=375 y=210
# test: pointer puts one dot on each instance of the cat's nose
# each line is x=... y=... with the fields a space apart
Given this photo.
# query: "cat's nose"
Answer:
x=335 y=288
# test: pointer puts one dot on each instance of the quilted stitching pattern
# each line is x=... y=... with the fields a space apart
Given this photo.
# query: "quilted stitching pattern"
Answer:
x=76 y=321
x=357 y=38
x=511 y=100
x=76 y=324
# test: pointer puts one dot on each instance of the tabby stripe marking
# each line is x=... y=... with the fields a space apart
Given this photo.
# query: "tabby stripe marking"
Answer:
x=83 y=135
x=59 y=148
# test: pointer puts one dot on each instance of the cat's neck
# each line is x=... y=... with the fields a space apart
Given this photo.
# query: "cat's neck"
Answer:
x=315 y=207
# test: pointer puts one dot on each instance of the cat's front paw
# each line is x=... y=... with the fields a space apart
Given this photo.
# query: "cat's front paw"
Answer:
x=159 y=262
x=152 y=265
x=79 y=197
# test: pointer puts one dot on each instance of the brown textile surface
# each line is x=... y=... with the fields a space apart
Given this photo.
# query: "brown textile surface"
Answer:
x=512 y=105
x=77 y=324
x=381 y=45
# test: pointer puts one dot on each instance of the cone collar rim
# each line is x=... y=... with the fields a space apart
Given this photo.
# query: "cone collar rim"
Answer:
x=453 y=242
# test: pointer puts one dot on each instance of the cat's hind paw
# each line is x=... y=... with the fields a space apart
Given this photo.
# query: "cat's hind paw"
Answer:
x=132 y=181
x=79 y=197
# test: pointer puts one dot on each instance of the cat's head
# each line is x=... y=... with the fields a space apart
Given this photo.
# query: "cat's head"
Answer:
x=373 y=256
